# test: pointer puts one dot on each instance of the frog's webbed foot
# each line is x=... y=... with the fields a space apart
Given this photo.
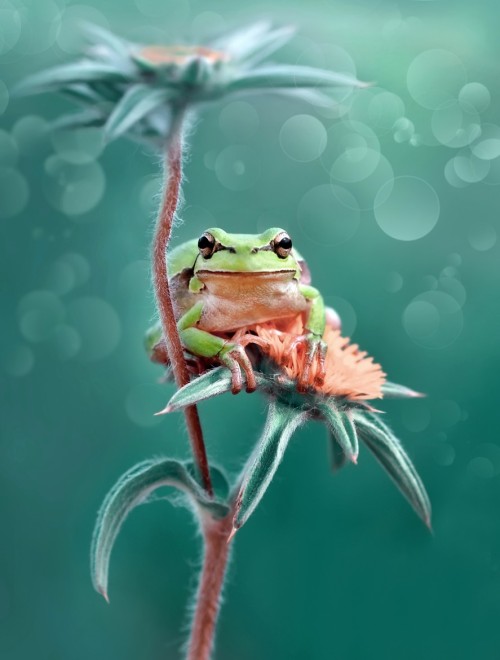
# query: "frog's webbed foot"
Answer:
x=234 y=357
x=315 y=349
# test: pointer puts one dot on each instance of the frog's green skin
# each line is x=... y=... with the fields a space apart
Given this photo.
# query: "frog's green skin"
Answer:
x=244 y=280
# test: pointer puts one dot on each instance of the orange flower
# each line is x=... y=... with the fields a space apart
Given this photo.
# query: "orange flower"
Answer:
x=350 y=372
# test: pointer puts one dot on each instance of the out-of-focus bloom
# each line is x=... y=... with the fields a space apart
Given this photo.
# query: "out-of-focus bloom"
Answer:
x=139 y=90
x=341 y=403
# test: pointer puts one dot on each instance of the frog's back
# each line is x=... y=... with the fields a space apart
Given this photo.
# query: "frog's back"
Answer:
x=183 y=256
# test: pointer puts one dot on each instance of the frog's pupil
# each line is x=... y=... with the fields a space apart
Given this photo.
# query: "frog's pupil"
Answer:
x=285 y=243
x=204 y=242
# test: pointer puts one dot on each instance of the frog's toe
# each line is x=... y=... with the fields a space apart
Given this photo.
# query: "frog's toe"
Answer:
x=236 y=360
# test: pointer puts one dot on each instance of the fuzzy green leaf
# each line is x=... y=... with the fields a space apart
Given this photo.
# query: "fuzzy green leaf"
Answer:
x=242 y=42
x=135 y=104
x=337 y=455
x=283 y=75
x=263 y=463
x=342 y=427
x=132 y=489
x=85 y=119
x=82 y=94
x=388 y=450
x=99 y=36
x=84 y=71
x=395 y=391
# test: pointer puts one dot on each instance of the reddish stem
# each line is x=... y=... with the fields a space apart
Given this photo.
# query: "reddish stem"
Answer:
x=164 y=299
x=208 y=598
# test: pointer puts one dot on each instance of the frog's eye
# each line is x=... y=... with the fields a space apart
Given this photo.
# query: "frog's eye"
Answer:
x=206 y=245
x=282 y=245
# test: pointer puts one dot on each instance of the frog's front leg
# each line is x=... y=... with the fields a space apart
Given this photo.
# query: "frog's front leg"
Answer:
x=202 y=343
x=315 y=346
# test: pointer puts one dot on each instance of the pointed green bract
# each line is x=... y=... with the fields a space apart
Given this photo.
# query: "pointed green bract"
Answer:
x=85 y=119
x=288 y=75
x=268 y=45
x=99 y=36
x=395 y=391
x=388 y=450
x=263 y=463
x=132 y=489
x=342 y=427
x=337 y=455
x=69 y=74
x=135 y=104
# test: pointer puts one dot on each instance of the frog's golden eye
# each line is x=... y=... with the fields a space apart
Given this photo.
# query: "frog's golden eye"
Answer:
x=282 y=245
x=206 y=245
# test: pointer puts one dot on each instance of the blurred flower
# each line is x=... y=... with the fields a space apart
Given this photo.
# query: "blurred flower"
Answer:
x=139 y=90
x=341 y=403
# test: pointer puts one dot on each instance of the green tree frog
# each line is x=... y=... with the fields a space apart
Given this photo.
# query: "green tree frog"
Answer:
x=222 y=282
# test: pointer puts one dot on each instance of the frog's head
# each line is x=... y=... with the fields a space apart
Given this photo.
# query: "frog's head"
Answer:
x=268 y=253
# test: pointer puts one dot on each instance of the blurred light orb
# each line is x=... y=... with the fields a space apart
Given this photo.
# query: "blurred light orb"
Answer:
x=493 y=176
x=324 y=219
x=417 y=416
x=451 y=175
x=4 y=92
x=487 y=147
x=364 y=193
x=98 y=326
x=73 y=189
x=78 y=145
x=71 y=37
x=434 y=77
x=9 y=153
x=10 y=26
x=39 y=313
x=433 y=320
x=453 y=127
x=403 y=129
x=239 y=120
x=303 y=138
x=393 y=282
x=481 y=468
x=469 y=168
x=40 y=24
x=407 y=208
x=482 y=236
x=454 y=287
x=14 y=192
x=31 y=134
x=237 y=167
x=355 y=164
x=142 y=402
x=60 y=278
x=378 y=108
x=18 y=360
x=444 y=454
x=149 y=194
x=66 y=342
x=348 y=142
x=474 y=95
x=447 y=413
x=346 y=312
x=163 y=10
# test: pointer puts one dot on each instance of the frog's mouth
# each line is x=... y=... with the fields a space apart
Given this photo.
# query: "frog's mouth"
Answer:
x=265 y=274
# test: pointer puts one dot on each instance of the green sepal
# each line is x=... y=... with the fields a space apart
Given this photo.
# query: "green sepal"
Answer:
x=337 y=455
x=84 y=119
x=264 y=461
x=282 y=75
x=134 y=105
x=342 y=427
x=98 y=35
x=132 y=489
x=84 y=71
x=388 y=450
x=395 y=391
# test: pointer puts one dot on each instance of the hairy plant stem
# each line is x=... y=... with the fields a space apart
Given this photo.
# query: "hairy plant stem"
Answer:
x=208 y=598
x=173 y=172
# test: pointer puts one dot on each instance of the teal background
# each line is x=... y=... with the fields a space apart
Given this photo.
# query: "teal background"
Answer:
x=329 y=566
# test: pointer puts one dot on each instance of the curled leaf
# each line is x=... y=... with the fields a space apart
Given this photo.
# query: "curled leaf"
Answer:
x=134 y=105
x=263 y=463
x=289 y=75
x=342 y=428
x=395 y=391
x=132 y=489
x=388 y=450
